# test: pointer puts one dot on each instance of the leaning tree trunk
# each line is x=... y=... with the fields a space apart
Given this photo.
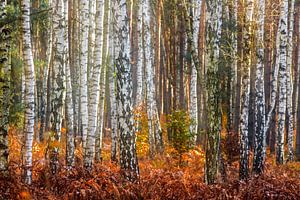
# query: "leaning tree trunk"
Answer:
x=95 y=90
x=283 y=30
x=70 y=143
x=259 y=136
x=57 y=92
x=4 y=90
x=153 y=119
x=245 y=89
x=29 y=92
x=128 y=157
x=193 y=84
x=290 y=113
x=84 y=22
x=213 y=35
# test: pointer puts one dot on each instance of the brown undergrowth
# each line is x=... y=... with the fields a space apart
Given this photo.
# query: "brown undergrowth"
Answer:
x=161 y=178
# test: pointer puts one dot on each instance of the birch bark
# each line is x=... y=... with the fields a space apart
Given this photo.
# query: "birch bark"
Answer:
x=112 y=85
x=84 y=20
x=282 y=78
x=290 y=113
x=70 y=145
x=128 y=157
x=4 y=89
x=259 y=136
x=193 y=84
x=58 y=86
x=95 y=90
x=245 y=90
x=213 y=35
x=29 y=92
x=140 y=57
x=155 y=132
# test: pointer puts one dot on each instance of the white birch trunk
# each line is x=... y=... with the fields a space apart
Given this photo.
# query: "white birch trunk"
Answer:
x=95 y=90
x=213 y=36
x=245 y=90
x=259 y=136
x=4 y=90
x=29 y=92
x=155 y=140
x=140 y=58
x=70 y=145
x=193 y=85
x=84 y=21
x=283 y=31
x=274 y=83
x=128 y=157
x=290 y=82
x=58 y=86
x=91 y=41
x=112 y=87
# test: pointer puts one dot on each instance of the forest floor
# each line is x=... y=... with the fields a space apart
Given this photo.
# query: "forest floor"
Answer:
x=161 y=178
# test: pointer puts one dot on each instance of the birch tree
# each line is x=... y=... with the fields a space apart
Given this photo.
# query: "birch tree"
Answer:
x=282 y=78
x=259 y=136
x=245 y=89
x=58 y=86
x=95 y=90
x=290 y=114
x=4 y=89
x=140 y=57
x=128 y=157
x=84 y=20
x=91 y=41
x=193 y=84
x=112 y=86
x=29 y=92
x=153 y=119
x=297 y=153
x=213 y=35
x=70 y=150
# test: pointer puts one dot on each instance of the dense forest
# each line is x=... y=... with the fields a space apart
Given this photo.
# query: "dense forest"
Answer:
x=150 y=99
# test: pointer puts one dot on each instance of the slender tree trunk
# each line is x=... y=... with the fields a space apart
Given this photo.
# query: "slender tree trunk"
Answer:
x=128 y=157
x=95 y=90
x=213 y=35
x=298 y=107
x=84 y=20
x=112 y=86
x=290 y=113
x=259 y=135
x=245 y=89
x=29 y=92
x=234 y=66
x=4 y=90
x=193 y=84
x=91 y=42
x=274 y=89
x=70 y=145
x=103 y=83
x=283 y=31
x=149 y=64
x=75 y=62
x=140 y=57
x=58 y=86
